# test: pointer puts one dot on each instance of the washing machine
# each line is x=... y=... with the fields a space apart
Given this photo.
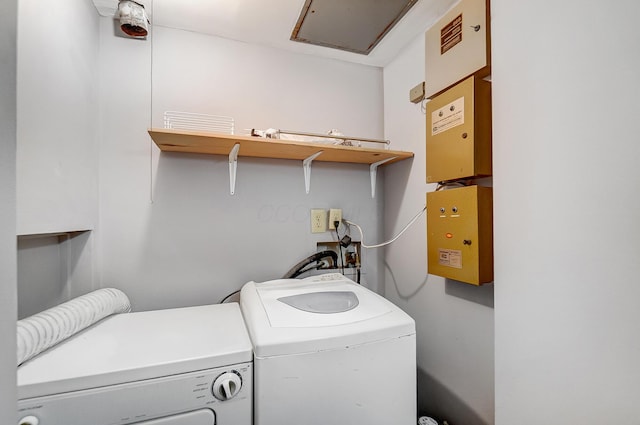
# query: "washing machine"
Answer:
x=184 y=366
x=329 y=351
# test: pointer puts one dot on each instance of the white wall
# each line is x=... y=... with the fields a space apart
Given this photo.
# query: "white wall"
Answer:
x=52 y=270
x=57 y=117
x=41 y=275
x=57 y=148
x=8 y=31
x=454 y=320
x=195 y=243
x=566 y=184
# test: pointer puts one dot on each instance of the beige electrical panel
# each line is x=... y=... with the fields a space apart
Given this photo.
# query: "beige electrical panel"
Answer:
x=459 y=132
x=458 y=46
x=460 y=235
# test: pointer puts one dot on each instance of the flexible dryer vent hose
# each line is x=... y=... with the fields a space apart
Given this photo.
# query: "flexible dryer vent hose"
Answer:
x=46 y=329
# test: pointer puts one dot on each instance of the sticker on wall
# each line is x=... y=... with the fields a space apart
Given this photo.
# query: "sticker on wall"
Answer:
x=450 y=258
x=448 y=117
x=451 y=34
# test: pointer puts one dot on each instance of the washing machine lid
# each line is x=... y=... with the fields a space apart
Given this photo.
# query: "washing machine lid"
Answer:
x=292 y=316
x=137 y=346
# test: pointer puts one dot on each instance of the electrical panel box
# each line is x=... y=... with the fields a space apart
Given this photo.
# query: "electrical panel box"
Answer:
x=459 y=132
x=460 y=234
x=458 y=46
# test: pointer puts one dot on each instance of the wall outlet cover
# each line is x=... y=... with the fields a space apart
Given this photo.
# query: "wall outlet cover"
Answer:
x=318 y=220
x=335 y=214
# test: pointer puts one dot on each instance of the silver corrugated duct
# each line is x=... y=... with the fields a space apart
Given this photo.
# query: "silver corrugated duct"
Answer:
x=46 y=329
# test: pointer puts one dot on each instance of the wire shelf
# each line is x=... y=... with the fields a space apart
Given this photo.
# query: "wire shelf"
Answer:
x=177 y=120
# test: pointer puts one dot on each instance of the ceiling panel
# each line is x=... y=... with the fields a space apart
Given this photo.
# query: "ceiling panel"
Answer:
x=355 y=25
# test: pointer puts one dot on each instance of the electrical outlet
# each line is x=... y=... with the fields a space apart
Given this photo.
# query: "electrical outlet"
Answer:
x=318 y=221
x=335 y=214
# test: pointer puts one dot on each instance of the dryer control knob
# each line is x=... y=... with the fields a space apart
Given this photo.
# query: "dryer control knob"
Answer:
x=227 y=385
x=29 y=420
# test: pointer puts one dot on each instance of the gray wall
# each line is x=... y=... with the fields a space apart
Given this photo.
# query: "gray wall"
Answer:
x=53 y=269
x=454 y=320
x=566 y=184
x=57 y=117
x=8 y=30
x=170 y=233
x=57 y=152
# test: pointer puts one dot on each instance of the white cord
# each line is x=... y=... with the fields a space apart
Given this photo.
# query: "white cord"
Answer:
x=389 y=241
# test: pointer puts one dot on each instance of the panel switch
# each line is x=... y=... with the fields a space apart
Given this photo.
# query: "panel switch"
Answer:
x=416 y=94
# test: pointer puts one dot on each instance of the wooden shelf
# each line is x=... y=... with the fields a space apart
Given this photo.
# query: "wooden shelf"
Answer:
x=257 y=147
x=69 y=233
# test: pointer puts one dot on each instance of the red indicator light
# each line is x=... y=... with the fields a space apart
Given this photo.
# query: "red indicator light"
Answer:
x=449 y=235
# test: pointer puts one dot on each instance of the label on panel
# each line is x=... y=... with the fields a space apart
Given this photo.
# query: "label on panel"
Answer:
x=457 y=46
x=451 y=34
x=449 y=116
x=450 y=258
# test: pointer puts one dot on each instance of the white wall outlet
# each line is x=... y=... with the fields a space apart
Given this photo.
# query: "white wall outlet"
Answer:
x=335 y=214
x=318 y=221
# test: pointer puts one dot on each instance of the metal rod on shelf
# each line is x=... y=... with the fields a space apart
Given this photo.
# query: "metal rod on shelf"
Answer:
x=328 y=136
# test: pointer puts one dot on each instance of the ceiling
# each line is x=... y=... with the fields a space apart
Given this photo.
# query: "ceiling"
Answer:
x=271 y=22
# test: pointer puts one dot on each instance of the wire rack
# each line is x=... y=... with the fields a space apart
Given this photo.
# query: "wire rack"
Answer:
x=178 y=120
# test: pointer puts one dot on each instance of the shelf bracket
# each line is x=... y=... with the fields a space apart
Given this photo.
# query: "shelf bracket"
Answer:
x=233 y=167
x=373 y=170
x=306 y=167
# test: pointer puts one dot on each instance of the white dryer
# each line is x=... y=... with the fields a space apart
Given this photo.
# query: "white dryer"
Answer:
x=186 y=366
x=329 y=351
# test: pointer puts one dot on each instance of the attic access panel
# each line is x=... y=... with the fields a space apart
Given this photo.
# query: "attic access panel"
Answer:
x=353 y=25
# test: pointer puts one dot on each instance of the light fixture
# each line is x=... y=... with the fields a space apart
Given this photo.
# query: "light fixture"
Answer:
x=133 y=18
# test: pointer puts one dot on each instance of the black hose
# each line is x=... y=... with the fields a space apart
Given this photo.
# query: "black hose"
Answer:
x=224 y=300
x=299 y=268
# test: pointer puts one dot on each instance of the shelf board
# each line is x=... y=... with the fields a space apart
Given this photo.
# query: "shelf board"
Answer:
x=69 y=233
x=258 y=147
